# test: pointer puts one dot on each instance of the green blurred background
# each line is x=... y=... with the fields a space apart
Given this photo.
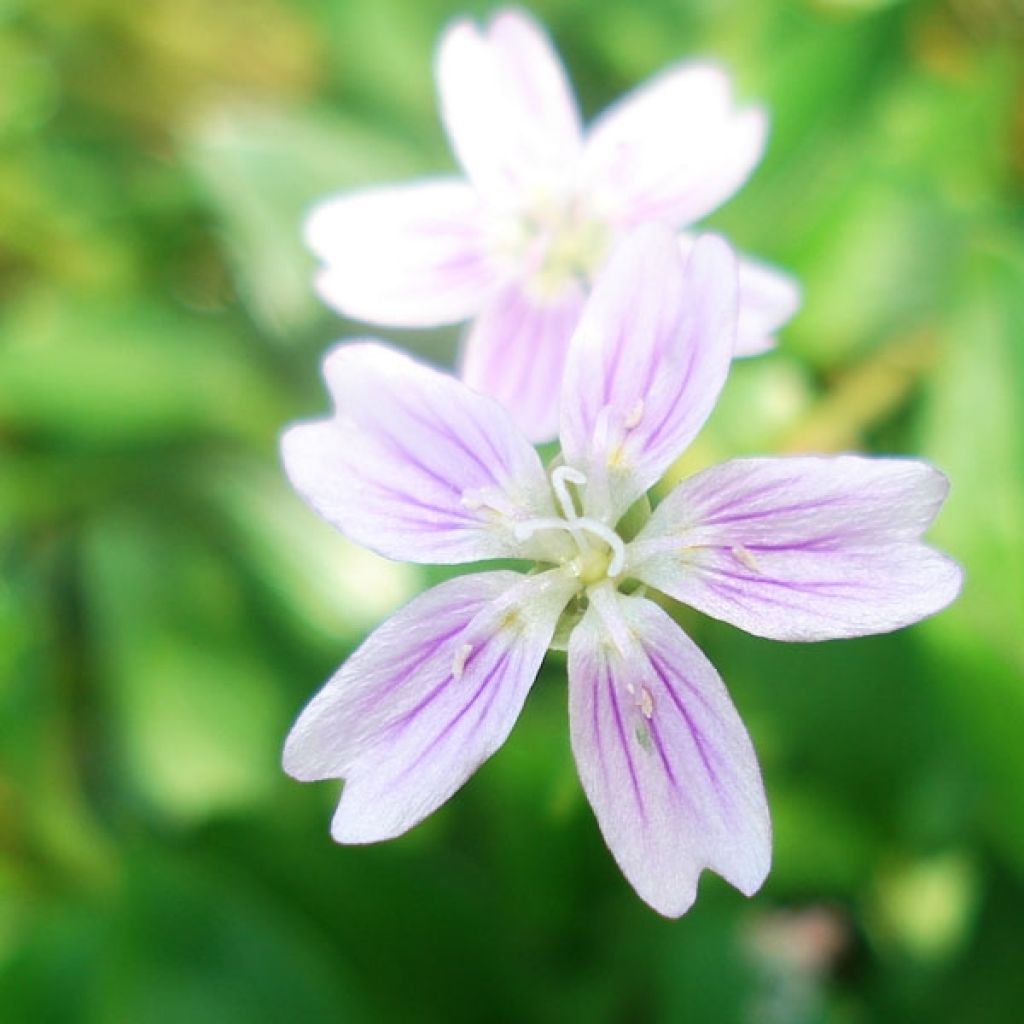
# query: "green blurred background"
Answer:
x=167 y=605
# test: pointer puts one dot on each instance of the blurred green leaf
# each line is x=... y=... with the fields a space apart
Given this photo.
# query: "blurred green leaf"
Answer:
x=260 y=169
x=328 y=586
x=101 y=375
x=975 y=431
x=197 y=717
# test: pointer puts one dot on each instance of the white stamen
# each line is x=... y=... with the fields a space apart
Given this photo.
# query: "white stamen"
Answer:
x=560 y=477
x=635 y=415
x=462 y=652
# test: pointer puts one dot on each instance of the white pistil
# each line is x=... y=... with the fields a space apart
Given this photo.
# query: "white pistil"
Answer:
x=560 y=478
x=577 y=528
x=462 y=652
x=528 y=527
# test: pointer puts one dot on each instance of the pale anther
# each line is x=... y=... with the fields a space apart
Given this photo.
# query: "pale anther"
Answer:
x=635 y=415
x=489 y=499
x=462 y=652
x=744 y=555
x=646 y=703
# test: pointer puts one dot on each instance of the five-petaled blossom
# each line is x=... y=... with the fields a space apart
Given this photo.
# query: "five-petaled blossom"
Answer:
x=417 y=466
x=516 y=246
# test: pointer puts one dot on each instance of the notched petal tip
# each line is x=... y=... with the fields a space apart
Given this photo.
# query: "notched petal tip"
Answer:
x=429 y=696
x=507 y=106
x=676 y=176
x=673 y=903
x=407 y=443
x=664 y=758
x=405 y=255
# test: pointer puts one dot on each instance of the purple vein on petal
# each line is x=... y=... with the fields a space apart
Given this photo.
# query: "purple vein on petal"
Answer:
x=611 y=369
x=626 y=750
x=450 y=725
x=655 y=733
x=763 y=491
x=745 y=516
x=515 y=331
x=422 y=657
x=402 y=454
x=441 y=429
x=409 y=499
x=798 y=586
x=695 y=733
x=670 y=407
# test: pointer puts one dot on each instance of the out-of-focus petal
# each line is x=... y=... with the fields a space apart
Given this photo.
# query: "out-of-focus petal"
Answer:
x=804 y=548
x=428 y=697
x=403 y=255
x=646 y=363
x=674 y=149
x=515 y=352
x=768 y=299
x=415 y=465
x=663 y=756
x=508 y=107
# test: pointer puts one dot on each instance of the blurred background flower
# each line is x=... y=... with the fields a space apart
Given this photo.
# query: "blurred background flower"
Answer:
x=167 y=605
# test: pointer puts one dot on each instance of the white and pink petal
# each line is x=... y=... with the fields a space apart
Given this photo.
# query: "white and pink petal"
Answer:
x=768 y=299
x=403 y=255
x=414 y=465
x=508 y=107
x=802 y=548
x=646 y=364
x=673 y=150
x=515 y=352
x=426 y=699
x=663 y=756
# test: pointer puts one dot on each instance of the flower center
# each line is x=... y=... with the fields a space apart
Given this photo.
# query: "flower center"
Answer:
x=573 y=249
x=555 y=240
x=600 y=552
x=593 y=565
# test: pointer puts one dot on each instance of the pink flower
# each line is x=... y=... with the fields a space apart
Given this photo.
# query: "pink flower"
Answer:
x=417 y=466
x=515 y=246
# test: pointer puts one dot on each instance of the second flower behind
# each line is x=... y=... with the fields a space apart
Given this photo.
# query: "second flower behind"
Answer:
x=516 y=246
